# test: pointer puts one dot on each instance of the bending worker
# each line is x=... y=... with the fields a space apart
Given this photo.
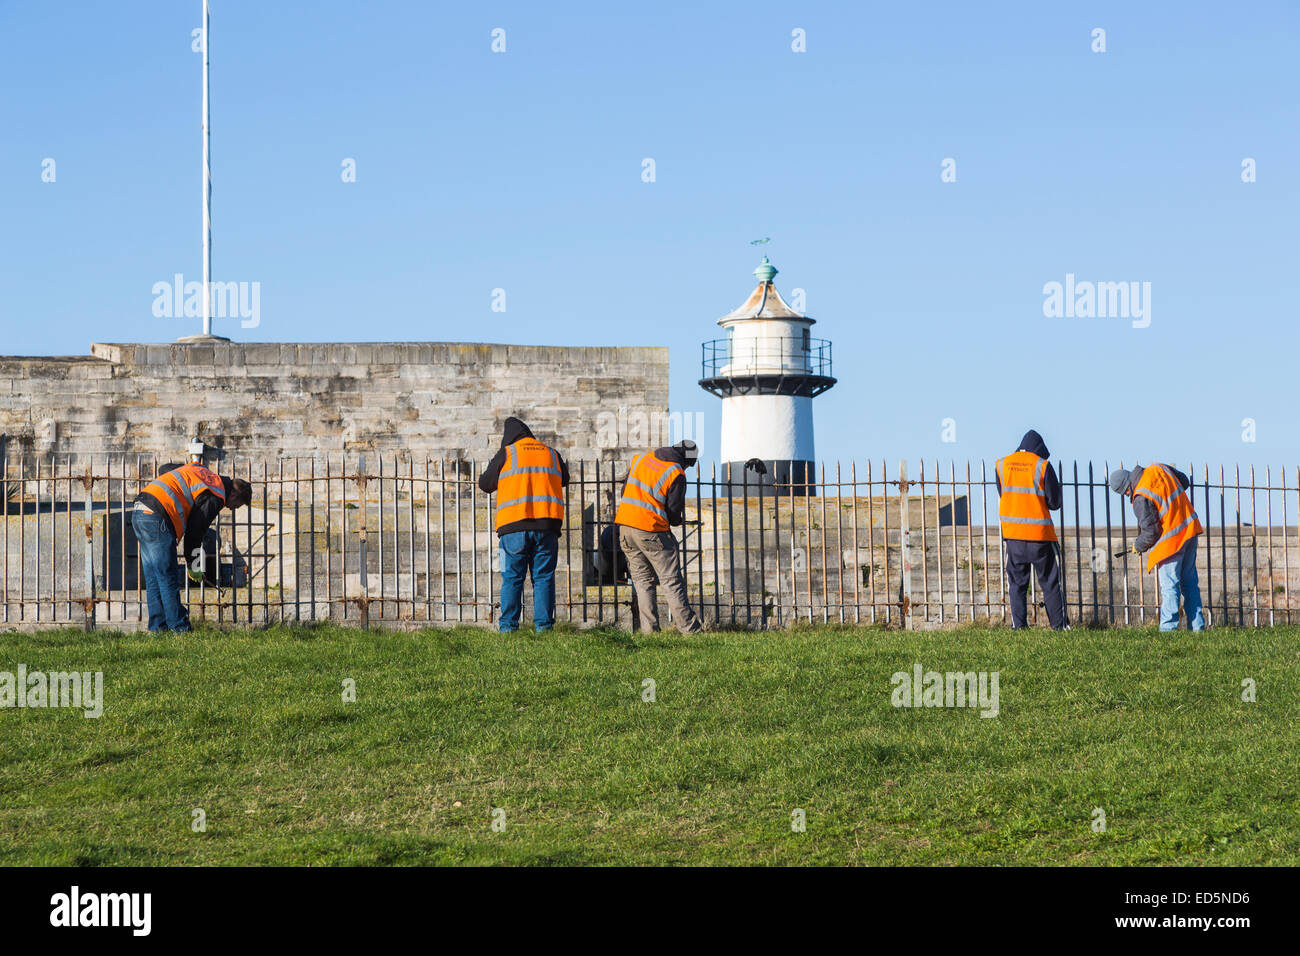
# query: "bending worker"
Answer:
x=653 y=500
x=1168 y=528
x=1029 y=492
x=179 y=505
x=529 y=478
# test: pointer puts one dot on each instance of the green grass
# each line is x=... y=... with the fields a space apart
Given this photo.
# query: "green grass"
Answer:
x=251 y=727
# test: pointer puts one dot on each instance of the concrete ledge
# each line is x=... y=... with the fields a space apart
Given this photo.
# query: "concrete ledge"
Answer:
x=365 y=351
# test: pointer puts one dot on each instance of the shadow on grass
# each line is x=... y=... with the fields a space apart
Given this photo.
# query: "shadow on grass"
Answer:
x=119 y=855
x=613 y=637
x=110 y=755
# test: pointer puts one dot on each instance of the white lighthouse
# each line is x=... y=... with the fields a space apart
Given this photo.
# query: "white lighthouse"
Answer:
x=767 y=371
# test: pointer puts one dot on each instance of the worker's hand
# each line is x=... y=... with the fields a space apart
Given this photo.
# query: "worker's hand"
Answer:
x=193 y=575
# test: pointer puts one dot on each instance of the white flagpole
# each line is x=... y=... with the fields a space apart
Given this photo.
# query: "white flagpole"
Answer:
x=207 y=185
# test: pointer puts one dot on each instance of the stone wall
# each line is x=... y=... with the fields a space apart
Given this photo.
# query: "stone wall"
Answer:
x=267 y=400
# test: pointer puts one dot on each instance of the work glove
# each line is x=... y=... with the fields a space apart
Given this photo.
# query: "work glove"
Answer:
x=194 y=576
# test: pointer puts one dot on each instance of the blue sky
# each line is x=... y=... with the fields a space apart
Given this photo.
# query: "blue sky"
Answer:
x=522 y=170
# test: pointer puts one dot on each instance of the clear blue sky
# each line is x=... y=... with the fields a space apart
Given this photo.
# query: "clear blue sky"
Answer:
x=522 y=171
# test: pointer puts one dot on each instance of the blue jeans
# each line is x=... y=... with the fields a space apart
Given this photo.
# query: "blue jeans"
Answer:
x=161 y=571
x=1177 y=577
x=524 y=552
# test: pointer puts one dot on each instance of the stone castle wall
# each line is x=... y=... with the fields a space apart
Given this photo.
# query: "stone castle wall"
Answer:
x=267 y=400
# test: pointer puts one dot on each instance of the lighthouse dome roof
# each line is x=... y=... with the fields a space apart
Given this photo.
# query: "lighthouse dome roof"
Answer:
x=764 y=302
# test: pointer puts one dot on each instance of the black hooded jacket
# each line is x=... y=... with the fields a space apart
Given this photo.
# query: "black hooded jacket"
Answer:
x=1033 y=442
x=514 y=430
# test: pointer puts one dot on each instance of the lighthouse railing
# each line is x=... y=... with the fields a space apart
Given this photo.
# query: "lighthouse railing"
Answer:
x=784 y=355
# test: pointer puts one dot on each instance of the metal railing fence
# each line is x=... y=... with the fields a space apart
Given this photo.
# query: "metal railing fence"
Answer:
x=766 y=354
x=410 y=541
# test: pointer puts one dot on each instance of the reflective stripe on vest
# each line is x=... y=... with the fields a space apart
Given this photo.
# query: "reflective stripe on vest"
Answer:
x=1022 y=507
x=1178 y=520
x=176 y=490
x=644 y=502
x=531 y=484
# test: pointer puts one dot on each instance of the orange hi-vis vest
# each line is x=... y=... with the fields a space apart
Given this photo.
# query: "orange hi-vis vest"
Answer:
x=644 y=502
x=1022 y=508
x=531 y=484
x=1178 y=521
x=176 y=490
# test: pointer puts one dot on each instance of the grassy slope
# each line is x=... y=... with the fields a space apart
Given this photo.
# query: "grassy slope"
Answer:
x=252 y=728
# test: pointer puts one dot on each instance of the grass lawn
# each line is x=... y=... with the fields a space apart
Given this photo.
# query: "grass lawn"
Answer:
x=448 y=726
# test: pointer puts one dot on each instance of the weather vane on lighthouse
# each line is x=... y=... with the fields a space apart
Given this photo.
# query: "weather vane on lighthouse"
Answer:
x=767 y=371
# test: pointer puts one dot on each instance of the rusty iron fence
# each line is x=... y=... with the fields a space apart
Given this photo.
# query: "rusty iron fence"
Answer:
x=410 y=542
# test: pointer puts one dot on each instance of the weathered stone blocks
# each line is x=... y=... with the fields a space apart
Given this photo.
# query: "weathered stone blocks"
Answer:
x=263 y=400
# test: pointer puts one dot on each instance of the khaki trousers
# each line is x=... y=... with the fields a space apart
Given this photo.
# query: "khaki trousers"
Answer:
x=652 y=559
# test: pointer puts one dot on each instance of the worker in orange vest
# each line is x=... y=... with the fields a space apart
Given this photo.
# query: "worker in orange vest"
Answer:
x=1029 y=492
x=179 y=506
x=1168 y=529
x=654 y=500
x=528 y=478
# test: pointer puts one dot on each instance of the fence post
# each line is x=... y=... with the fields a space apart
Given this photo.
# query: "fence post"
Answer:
x=4 y=504
x=363 y=602
x=87 y=482
x=905 y=539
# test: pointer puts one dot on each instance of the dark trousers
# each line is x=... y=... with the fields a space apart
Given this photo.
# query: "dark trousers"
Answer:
x=1041 y=557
